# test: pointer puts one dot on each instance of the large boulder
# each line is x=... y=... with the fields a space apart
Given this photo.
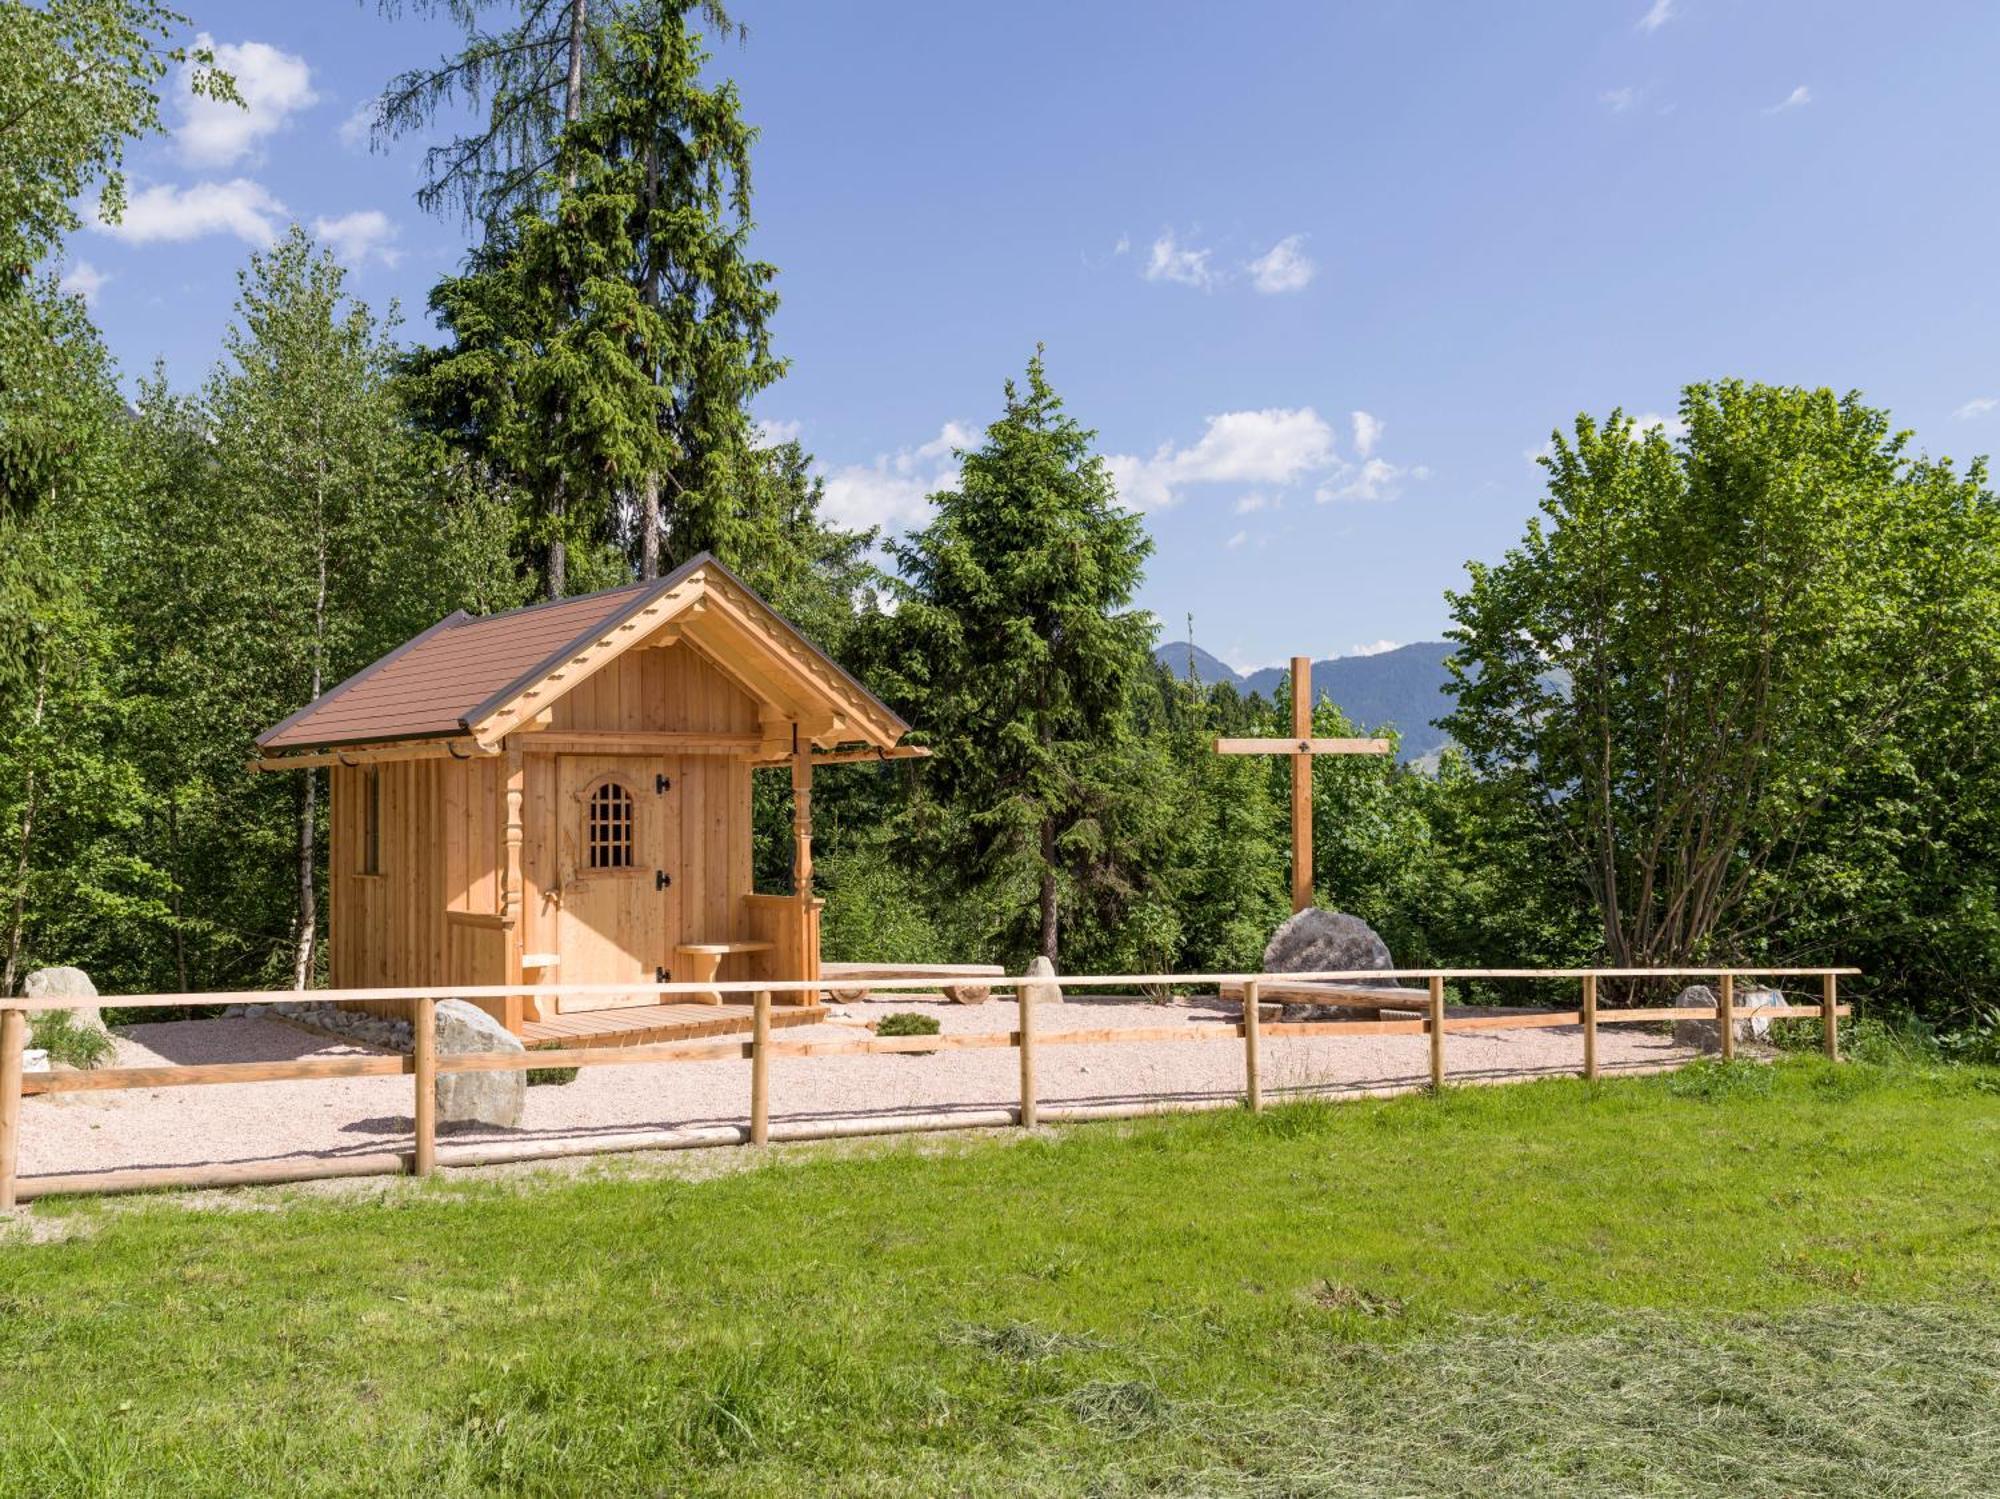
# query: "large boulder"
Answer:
x=494 y=1098
x=1316 y=941
x=1044 y=989
x=1319 y=941
x=71 y=984
x=1706 y=1035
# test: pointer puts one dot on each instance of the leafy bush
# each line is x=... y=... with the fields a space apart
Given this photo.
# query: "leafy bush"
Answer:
x=1978 y=1042
x=907 y=1023
x=73 y=1045
x=551 y=1077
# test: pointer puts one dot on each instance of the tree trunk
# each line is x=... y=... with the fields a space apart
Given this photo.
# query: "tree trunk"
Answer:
x=1049 y=932
x=649 y=526
x=573 y=95
x=649 y=291
x=557 y=580
x=307 y=930
x=305 y=935
x=18 y=926
x=174 y=875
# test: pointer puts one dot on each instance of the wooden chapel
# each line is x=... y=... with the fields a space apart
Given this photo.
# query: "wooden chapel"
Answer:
x=561 y=794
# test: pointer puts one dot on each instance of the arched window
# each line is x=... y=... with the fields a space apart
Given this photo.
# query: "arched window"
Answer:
x=609 y=827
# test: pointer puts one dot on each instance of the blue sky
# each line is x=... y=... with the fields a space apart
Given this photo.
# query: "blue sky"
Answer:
x=1322 y=276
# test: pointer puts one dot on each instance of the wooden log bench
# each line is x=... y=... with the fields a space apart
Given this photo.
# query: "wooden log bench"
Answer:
x=1349 y=996
x=847 y=982
x=698 y=963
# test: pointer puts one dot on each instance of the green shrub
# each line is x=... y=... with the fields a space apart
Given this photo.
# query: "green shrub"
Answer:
x=907 y=1023
x=1977 y=1042
x=551 y=1077
x=73 y=1045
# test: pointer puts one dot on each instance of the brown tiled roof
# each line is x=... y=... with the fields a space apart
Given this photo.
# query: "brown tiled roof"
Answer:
x=431 y=684
x=458 y=671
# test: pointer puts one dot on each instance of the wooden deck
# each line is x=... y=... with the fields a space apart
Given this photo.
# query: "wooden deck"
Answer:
x=643 y=1024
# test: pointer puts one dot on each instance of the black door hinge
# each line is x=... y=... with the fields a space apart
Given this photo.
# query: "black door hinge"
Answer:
x=661 y=976
x=661 y=785
x=661 y=879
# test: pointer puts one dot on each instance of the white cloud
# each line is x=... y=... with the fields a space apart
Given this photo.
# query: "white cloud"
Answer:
x=1274 y=446
x=1619 y=100
x=1670 y=427
x=84 y=280
x=1376 y=479
x=358 y=128
x=1282 y=268
x=1237 y=540
x=1182 y=264
x=275 y=85
x=1250 y=504
x=1977 y=406
x=1367 y=432
x=1656 y=16
x=357 y=236
x=777 y=434
x=1374 y=648
x=1124 y=244
x=1796 y=99
x=894 y=491
x=163 y=213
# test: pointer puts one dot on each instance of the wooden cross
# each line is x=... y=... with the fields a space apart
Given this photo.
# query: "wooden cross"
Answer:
x=1302 y=747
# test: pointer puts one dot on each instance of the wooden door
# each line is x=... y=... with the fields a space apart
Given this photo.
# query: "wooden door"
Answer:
x=614 y=841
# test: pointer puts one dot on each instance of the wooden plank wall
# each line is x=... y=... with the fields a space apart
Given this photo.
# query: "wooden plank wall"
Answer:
x=441 y=851
x=654 y=690
x=443 y=836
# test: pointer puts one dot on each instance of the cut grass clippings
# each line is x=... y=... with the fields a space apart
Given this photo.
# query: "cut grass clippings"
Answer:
x=1709 y=1282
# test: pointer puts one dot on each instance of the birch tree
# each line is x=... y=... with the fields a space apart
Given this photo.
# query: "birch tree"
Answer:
x=322 y=531
x=1703 y=643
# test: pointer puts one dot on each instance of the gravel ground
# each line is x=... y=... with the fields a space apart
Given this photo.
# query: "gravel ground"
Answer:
x=331 y=1118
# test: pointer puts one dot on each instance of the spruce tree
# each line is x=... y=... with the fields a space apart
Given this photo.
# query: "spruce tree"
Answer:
x=1016 y=648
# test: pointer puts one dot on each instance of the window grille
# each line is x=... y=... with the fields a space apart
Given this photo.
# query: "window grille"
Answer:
x=610 y=827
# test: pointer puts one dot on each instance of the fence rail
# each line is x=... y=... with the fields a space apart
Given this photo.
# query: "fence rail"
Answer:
x=425 y=1066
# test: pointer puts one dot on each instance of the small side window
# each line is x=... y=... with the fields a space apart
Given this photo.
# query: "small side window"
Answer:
x=371 y=820
x=609 y=829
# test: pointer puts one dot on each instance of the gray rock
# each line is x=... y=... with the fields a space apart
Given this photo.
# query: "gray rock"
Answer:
x=495 y=1098
x=1047 y=990
x=1706 y=1035
x=1318 y=941
x=67 y=983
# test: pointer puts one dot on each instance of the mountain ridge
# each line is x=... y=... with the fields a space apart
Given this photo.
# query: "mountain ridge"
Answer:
x=1405 y=688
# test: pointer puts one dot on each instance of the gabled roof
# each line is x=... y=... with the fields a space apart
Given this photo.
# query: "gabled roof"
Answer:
x=485 y=676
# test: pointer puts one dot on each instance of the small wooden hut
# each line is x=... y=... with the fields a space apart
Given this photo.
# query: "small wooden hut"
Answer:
x=561 y=794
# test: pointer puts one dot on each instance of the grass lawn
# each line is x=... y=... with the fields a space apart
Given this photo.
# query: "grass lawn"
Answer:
x=1738 y=1281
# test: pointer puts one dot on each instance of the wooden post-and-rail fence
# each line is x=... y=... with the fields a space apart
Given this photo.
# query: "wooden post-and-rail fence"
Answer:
x=425 y=1066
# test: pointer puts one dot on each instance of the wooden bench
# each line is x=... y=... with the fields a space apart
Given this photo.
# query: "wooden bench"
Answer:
x=698 y=962
x=847 y=981
x=1352 y=996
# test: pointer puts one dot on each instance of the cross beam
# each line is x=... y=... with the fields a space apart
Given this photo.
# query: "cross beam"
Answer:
x=1302 y=747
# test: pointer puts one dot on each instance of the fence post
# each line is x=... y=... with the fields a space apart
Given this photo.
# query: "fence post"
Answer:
x=760 y=1070
x=13 y=1042
x=423 y=1026
x=1590 y=1027
x=1829 y=1019
x=1436 y=1029
x=1725 y=1011
x=1027 y=1056
x=1253 y=1084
